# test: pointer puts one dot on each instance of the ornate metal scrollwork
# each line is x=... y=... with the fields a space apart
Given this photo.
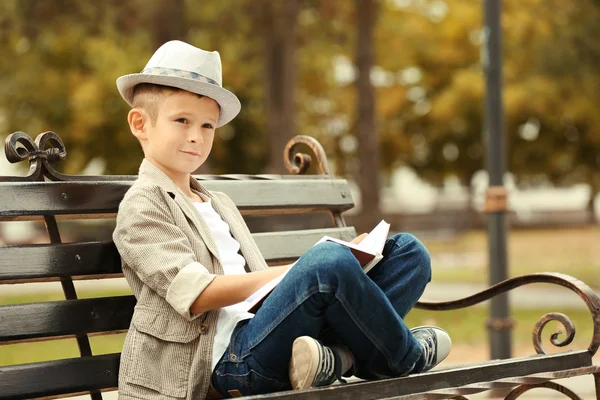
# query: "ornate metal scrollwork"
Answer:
x=517 y=392
x=590 y=298
x=298 y=163
x=27 y=150
x=13 y=152
x=57 y=152
x=48 y=148
x=539 y=326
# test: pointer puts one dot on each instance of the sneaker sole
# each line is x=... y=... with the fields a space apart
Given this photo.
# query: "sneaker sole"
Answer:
x=303 y=365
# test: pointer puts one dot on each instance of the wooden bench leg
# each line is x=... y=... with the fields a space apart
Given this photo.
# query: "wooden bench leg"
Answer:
x=597 y=385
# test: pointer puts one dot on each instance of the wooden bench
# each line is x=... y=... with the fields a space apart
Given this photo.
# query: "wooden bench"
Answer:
x=314 y=203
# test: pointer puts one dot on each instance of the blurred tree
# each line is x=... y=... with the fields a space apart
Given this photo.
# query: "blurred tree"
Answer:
x=61 y=59
x=226 y=26
x=169 y=23
x=327 y=100
x=276 y=23
x=61 y=78
x=551 y=80
x=337 y=56
x=555 y=127
x=435 y=92
x=368 y=138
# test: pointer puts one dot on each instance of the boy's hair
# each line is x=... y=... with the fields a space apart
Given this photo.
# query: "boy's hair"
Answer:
x=148 y=96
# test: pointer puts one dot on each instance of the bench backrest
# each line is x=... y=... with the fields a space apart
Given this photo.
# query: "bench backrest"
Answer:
x=78 y=214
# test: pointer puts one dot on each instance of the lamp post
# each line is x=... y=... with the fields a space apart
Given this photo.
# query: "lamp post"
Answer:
x=499 y=324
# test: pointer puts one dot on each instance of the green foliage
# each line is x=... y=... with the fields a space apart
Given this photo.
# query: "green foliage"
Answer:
x=61 y=59
x=62 y=78
x=65 y=71
x=551 y=76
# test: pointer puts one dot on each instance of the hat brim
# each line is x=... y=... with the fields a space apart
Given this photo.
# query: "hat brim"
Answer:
x=229 y=103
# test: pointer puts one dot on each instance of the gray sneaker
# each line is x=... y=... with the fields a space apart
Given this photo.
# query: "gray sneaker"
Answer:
x=436 y=346
x=313 y=364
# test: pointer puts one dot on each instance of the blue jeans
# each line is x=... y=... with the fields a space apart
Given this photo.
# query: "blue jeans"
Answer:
x=327 y=295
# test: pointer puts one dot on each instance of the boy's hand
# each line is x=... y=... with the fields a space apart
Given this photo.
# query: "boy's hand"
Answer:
x=359 y=239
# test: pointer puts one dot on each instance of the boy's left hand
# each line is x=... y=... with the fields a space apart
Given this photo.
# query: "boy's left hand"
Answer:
x=359 y=238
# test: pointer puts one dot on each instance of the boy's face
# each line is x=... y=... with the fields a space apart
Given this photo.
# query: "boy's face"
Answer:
x=182 y=137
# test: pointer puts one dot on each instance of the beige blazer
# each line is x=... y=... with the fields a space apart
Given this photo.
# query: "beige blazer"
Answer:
x=169 y=257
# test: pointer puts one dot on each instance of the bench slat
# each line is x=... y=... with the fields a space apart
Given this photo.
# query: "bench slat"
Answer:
x=30 y=262
x=63 y=318
x=289 y=245
x=94 y=259
x=101 y=198
x=72 y=375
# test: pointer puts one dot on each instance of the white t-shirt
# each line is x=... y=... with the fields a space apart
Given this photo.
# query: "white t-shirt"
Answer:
x=233 y=264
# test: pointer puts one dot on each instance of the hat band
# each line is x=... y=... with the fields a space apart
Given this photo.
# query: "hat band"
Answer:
x=179 y=73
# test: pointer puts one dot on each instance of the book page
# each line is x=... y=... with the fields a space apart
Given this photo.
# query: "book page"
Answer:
x=354 y=247
x=368 y=251
x=375 y=240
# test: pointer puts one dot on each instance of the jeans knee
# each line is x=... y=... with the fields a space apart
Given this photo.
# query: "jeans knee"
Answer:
x=412 y=246
x=329 y=258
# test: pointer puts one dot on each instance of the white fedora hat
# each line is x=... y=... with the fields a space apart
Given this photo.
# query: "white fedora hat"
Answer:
x=186 y=67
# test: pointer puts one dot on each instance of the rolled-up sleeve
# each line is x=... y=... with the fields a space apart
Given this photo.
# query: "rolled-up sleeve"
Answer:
x=186 y=287
x=158 y=251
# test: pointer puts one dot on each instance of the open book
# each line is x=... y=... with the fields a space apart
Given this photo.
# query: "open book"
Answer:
x=367 y=252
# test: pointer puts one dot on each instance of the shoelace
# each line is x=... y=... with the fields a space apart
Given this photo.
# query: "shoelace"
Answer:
x=327 y=372
x=429 y=349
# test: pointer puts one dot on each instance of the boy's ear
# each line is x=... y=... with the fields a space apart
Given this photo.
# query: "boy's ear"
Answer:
x=137 y=120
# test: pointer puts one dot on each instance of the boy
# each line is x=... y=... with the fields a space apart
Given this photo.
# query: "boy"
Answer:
x=190 y=260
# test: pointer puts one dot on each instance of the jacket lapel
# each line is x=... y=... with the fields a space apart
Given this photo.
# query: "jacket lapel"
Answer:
x=150 y=172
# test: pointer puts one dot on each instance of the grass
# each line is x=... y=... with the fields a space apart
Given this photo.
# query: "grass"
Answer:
x=20 y=353
x=572 y=251
x=58 y=295
x=469 y=327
